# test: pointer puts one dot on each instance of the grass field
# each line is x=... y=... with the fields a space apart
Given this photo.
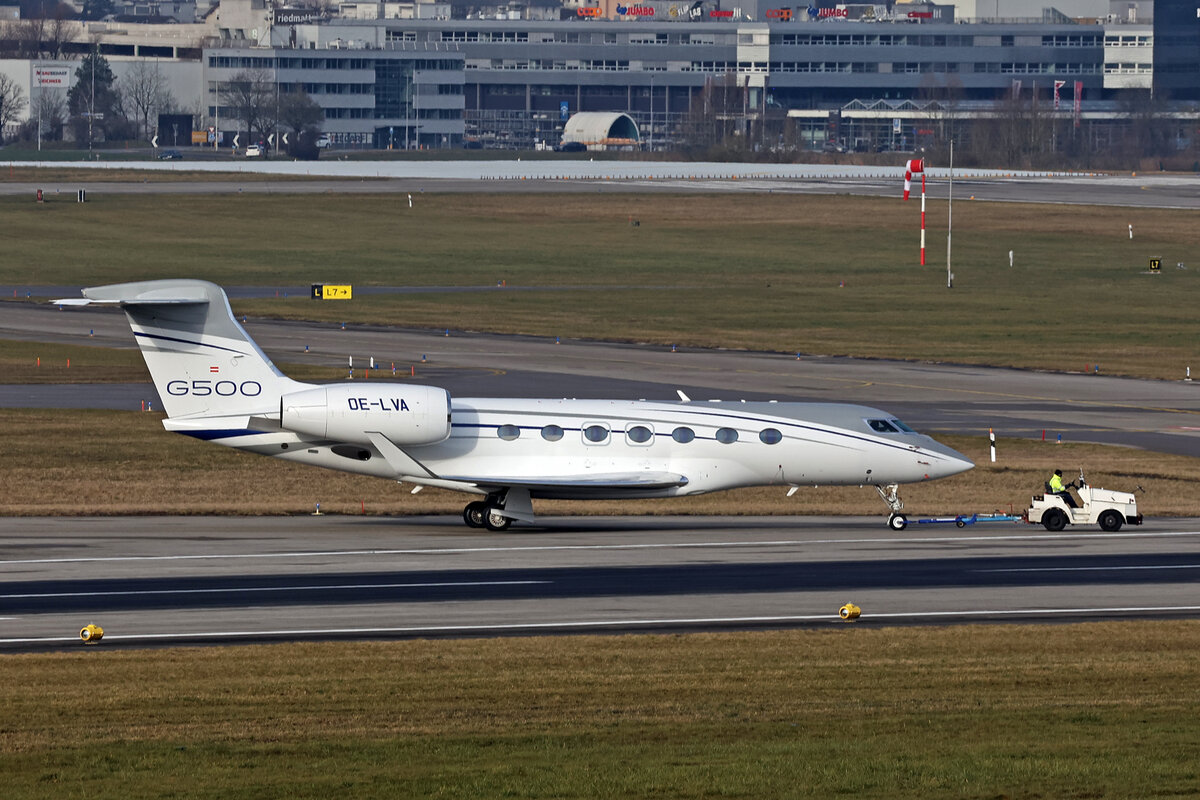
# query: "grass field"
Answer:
x=117 y=462
x=1092 y=711
x=786 y=273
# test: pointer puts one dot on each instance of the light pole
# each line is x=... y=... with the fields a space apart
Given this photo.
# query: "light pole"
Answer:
x=92 y=109
x=950 y=220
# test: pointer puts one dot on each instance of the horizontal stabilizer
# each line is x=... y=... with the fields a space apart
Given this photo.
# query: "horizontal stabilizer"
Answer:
x=141 y=294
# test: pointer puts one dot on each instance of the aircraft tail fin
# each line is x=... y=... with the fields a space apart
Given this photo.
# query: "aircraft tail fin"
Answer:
x=203 y=362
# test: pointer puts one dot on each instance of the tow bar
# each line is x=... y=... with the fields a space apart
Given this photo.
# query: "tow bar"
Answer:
x=962 y=520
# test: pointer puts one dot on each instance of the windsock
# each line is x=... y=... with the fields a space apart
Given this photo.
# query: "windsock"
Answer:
x=914 y=166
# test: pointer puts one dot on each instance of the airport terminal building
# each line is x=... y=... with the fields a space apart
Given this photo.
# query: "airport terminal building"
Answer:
x=878 y=76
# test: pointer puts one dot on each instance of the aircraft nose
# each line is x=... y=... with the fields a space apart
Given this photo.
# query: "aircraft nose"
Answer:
x=946 y=461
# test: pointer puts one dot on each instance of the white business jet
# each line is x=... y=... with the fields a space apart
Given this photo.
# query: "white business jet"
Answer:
x=217 y=385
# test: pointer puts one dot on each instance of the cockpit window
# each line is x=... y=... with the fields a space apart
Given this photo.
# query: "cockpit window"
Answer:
x=901 y=426
x=881 y=426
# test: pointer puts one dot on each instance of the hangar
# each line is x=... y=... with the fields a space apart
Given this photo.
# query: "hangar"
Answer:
x=602 y=130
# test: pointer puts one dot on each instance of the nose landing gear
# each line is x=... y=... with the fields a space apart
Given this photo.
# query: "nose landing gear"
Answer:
x=890 y=495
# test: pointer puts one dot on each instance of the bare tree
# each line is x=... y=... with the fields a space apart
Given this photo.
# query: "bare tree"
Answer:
x=49 y=110
x=251 y=95
x=12 y=102
x=59 y=30
x=143 y=88
x=25 y=36
x=47 y=116
x=299 y=111
x=715 y=115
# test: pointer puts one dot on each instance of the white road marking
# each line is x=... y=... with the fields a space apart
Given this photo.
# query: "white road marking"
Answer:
x=1092 y=569
x=248 y=589
x=627 y=623
x=593 y=547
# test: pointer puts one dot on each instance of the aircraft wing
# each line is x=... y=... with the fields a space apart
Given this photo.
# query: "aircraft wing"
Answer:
x=406 y=465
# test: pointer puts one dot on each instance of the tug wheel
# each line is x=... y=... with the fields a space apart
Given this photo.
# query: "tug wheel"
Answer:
x=1054 y=519
x=1110 y=521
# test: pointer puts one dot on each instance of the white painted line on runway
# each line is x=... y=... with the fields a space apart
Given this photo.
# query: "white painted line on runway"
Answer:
x=618 y=623
x=1093 y=569
x=249 y=589
x=594 y=547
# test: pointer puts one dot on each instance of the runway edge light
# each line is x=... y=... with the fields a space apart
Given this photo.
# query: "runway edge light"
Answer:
x=91 y=633
x=849 y=611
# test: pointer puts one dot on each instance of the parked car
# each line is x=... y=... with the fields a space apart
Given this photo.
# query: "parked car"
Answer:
x=170 y=155
x=254 y=151
x=324 y=141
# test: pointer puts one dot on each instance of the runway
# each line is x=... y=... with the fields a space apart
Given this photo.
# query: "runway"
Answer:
x=156 y=581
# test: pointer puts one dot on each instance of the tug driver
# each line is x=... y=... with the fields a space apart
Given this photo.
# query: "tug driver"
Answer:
x=1056 y=486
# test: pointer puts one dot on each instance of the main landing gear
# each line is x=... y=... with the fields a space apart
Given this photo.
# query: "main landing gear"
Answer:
x=502 y=506
x=486 y=514
x=891 y=496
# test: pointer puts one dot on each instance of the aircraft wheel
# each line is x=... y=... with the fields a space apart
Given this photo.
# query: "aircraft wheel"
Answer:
x=1054 y=519
x=897 y=522
x=495 y=521
x=1110 y=521
x=473 y=514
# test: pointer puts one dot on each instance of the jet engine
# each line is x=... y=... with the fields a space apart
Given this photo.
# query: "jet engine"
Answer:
x=407 y=415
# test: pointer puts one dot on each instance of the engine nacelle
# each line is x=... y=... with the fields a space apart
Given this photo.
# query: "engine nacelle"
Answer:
x=407 y=415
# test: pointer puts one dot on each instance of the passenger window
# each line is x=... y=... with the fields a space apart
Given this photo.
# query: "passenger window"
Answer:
x=683 y=435
x=727 y=435
x=596 y=434
x=770 y=436
x=881 y=426
x=508 y=432
x=552 y=433
x=639 y=434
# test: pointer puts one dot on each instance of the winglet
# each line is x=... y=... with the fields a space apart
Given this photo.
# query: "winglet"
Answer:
x=683 y=396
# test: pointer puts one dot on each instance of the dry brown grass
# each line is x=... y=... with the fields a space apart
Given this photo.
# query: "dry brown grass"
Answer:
x=1090 y=710
x=110 y=462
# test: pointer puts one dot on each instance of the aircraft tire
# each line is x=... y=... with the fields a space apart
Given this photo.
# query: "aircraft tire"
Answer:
x=1054 y=519
x=1110 y=521
x=494 y=521
x=474 y=514
x=897 y=522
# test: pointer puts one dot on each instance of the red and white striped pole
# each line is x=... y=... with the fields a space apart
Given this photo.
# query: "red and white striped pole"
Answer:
x=913 y=167
x=922 y=218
